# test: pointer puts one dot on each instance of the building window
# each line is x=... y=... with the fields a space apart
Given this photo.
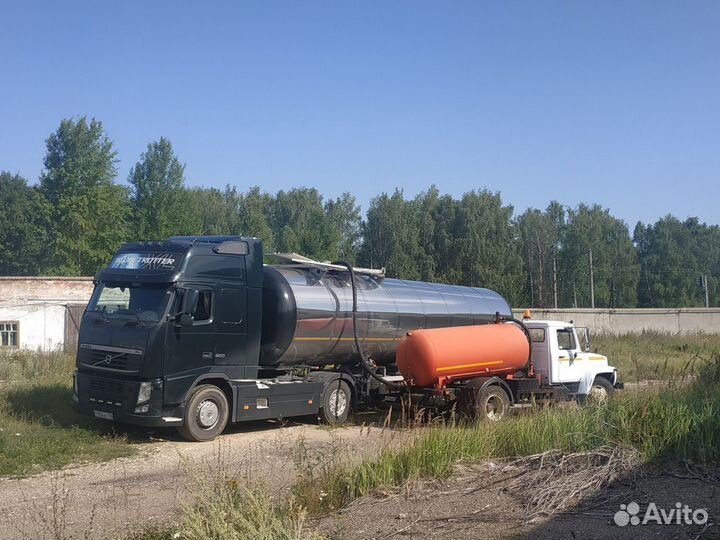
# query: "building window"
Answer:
x=9 y=334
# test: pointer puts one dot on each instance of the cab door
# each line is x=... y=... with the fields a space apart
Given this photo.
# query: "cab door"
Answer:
x=568 y=361
x=190 y=349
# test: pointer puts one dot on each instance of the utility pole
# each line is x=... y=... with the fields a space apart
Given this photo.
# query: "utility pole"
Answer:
x=592 y=283
x=574 y=296
x=704 y=282
x=554 y=281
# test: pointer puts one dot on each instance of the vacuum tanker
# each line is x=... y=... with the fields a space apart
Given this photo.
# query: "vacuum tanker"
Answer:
x=196 y=332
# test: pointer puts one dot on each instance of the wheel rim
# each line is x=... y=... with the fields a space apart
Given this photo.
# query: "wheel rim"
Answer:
x=494 y=408
x=208 y=414
x=338 y=403
x=598 y=394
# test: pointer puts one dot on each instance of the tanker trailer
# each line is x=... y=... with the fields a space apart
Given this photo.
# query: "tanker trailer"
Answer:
x=308 y=313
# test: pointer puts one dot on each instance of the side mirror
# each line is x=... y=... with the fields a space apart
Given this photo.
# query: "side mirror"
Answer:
x=186 y=319
x=587 y=344
x=190 y=301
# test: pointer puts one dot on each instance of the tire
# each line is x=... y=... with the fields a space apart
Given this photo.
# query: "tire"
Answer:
x=600 y=391
x=492 y=403
x=206 y=414
x=336 y=402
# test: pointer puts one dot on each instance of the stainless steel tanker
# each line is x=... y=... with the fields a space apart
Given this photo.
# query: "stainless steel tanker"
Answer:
x=307 y=314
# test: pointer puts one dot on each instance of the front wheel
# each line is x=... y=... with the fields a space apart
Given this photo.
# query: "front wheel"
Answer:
x=206 y=414
x=599 y=393
x=336 y=402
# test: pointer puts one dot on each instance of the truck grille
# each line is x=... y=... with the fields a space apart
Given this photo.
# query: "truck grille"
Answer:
x=119 y=361
x=110 y=358
x=105 y=386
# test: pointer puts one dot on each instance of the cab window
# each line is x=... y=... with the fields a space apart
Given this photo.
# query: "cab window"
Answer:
x=566 y=339
x=203 y=311
x=537 y=335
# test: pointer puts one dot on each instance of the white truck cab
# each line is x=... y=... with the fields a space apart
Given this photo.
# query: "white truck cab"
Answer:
x=562 y=357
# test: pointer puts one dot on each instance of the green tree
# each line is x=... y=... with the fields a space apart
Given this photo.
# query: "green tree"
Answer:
x=88 y=210
x=300 y=224
x=487 y=247
x=160 y=206
x=615 y=264
x=345 y=222
x=391 y=237
x=673 y=255
x=255 y=210
x=23 y=226
x=539 y=243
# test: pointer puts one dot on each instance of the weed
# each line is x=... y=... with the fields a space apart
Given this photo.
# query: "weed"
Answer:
x=38 y=428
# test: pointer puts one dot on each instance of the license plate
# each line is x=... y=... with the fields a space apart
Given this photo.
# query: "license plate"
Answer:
x=104 y=415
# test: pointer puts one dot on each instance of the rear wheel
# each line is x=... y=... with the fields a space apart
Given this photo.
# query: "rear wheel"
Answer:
x=336 y=402
x=206 y=414
x=489 y=403
x=492 y=403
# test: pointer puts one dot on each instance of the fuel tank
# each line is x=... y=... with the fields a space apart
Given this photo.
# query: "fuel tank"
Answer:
x=307 y=314
x=433 y=357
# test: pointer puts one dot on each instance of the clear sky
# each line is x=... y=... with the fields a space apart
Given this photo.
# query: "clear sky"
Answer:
x=611 y=102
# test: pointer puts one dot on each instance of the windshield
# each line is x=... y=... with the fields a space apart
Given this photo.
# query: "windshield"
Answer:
x=147 y=303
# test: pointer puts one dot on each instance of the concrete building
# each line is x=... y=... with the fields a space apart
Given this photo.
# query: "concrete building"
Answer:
x=42 y=313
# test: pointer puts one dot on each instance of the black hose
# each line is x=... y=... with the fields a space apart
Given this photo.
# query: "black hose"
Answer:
x=364 y=361
x=524 y=328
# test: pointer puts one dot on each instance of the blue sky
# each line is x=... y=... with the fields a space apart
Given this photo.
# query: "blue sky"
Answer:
x=611 y=102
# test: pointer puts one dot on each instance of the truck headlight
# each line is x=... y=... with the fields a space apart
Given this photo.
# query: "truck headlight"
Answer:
x=144 y=392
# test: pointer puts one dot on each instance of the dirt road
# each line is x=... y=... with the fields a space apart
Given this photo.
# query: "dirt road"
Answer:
x=103 y=500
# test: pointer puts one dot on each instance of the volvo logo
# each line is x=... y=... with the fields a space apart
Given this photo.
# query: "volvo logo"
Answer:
x=108 y=359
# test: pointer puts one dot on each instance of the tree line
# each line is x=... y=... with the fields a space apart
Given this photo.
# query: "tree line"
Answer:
x=75 y=217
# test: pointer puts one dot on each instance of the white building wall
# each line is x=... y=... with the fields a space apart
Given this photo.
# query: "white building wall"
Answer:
x=40 y=327
x=38 y=304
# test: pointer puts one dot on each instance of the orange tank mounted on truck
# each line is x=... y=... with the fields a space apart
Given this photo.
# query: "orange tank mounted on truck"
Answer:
x=432 y=357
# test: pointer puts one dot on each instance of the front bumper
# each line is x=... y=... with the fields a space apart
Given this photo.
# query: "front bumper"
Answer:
x=116 y=400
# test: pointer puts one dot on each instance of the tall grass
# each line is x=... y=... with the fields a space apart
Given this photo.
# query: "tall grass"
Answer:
x=38 y=428
x=674 y=421
x=655 y=356
x=225 y=510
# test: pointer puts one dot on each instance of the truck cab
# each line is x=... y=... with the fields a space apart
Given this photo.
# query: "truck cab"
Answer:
x=562 y=357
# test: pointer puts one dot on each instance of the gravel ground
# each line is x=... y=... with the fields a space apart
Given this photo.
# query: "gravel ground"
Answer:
x=104 y=500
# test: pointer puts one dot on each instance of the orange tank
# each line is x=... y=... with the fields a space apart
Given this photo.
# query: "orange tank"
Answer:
x=433 y=357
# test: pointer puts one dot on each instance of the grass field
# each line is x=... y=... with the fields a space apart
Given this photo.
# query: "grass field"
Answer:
x=38 y=428
x=653 y=356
